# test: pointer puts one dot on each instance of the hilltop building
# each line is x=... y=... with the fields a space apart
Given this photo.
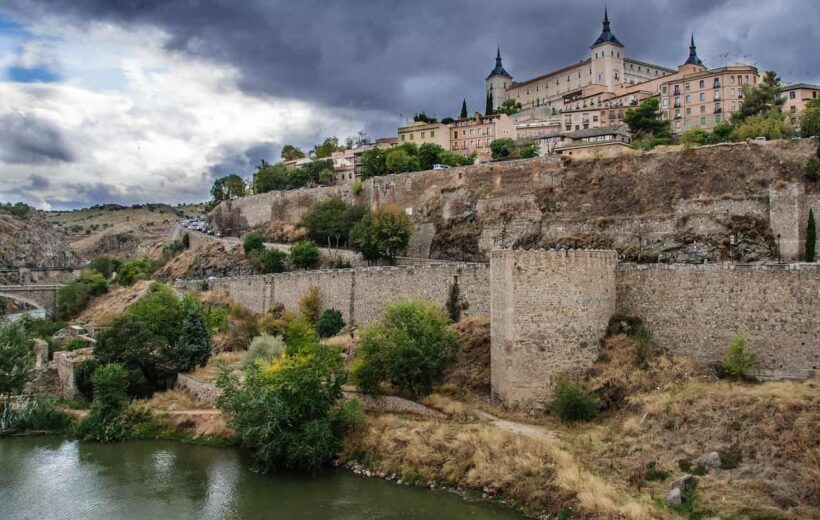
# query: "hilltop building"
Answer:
x=596 y=91
x=795 y=98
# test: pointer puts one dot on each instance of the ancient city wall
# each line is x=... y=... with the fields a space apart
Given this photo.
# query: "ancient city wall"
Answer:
x=696 y=310
x=361 y=294
x=550 y=310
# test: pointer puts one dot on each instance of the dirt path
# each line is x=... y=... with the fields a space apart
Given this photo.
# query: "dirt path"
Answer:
x=527 y=430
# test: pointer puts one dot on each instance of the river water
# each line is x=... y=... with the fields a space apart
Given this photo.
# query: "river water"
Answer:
x=34 y=313
x=51 y=478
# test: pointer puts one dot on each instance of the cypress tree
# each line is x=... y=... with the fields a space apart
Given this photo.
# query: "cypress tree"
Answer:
x=489 y=110
x=194 y=345
x=463 y=109
x=811 y=238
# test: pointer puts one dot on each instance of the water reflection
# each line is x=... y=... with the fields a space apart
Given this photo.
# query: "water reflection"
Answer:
x=57 y=479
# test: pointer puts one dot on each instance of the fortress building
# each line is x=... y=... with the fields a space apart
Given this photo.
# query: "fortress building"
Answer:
x=596 y=91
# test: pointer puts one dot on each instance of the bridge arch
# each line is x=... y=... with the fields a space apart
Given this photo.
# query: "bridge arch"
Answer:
x=39 y=296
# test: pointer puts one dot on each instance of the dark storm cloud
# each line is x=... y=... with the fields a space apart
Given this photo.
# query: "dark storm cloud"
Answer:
x=428 y=54
x=25 y=139
x=242 y=161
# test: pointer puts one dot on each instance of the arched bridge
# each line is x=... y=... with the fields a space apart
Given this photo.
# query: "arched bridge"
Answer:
x=40 y=296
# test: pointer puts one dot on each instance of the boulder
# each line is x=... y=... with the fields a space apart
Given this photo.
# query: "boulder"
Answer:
x=710 y=460
x=674 y=498
x=679 y=488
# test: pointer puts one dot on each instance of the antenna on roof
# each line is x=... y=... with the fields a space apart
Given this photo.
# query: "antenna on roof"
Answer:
x=723 y=59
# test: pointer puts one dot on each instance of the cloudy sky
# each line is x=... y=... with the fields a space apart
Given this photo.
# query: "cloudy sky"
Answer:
x=149 y=100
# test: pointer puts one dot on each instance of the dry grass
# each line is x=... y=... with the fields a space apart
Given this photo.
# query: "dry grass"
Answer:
x=469 y=374
x=110 y=305
x=535 y=473
x=455 y=410
x=210 y=372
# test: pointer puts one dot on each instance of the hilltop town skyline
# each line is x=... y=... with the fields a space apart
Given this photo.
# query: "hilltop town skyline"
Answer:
x=174 y=97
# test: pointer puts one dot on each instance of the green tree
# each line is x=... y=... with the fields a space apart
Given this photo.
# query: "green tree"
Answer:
x=528 y=151
x=252 y=242
x=16 y=360
x=811 y=238
x=290 y=152
x=374 y=163
x=737 y=362
x=383 y=233
x=722 y=132
x=456 y=159
x=813 y=169
x=305 y=255
x=428 y=155
x=329 y=324
x=448 y=121
x=270 y=177
x=161 y=311
x=759 y=100
x=331 y=220
x=194 y=345
x=424 y=118
x=646 y=121
x=509 y=107
x=408 y=348
x=463 y=114
x=186 y=241
x=488 y=109
x=696 y=137
x=228 y=187
x=287 y=412
x=328 y=146
x=399 y=161
x=130 y=342
x=73 y=297
x=502 y=148
x=810 y=119
x=106 y=421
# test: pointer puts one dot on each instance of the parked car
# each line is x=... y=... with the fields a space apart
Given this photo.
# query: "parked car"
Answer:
x=760 y=138
x=440 y=167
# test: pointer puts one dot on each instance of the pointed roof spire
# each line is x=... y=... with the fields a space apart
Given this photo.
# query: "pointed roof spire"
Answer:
x=499 y=70
x=606 y=34
x=693 y=54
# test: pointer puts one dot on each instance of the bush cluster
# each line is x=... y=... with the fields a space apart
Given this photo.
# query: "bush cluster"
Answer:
x=573 y=402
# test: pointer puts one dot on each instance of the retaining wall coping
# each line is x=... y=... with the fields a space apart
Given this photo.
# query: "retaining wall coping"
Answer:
x=791 y=266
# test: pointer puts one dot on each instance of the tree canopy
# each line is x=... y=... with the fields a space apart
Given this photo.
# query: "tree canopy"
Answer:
x=290 y=152
x=228 y=187
x=327 y=147
x=760 y=99
x=424 y=118
x=331 y=220
x=509 y=107
x=383 y=233
x=645 y=120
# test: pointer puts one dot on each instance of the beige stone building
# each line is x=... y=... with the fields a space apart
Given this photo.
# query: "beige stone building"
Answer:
x=795 y=98
x=419 y=132
x=474 y=134
x=598 y=143
x=597 y=91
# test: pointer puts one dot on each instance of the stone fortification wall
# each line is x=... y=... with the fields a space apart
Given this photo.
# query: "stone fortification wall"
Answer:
x=361 y=294
x=696 y=310
x=549 y=311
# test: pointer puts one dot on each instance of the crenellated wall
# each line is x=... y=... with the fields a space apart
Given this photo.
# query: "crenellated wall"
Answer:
x=550 y=310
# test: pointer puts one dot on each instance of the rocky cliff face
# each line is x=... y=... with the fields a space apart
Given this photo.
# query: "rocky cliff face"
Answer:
x=705 y=204
x=31 y=241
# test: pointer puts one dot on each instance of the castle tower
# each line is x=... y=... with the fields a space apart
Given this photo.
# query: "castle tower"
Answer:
x=497 y=82
x=607 y=58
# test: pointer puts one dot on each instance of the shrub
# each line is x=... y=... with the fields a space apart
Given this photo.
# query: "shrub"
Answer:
x=408 y=348
x=305 y=255
x=38 y=414
x=268 y=260
x=285 y=411
x=331 y=220
x=16 y=358
x=106 y=265
x=811 y=238
x=383 y=233
x=132 y=271
x=186 y=241
x=252 y=242
x=573 y=402
x=356 y=188
x=73 y=297
x=737 y=361
x=329 y=323
x=502 y=148
x=311 y=305
x=300 y=335
x=106 y=420
x=276 y=320
x=265 y=348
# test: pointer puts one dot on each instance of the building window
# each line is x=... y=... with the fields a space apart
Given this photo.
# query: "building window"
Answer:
x=432 y=133
x=703 y=96
x=703 y=109
x=701 y=84
x=793 y=94
x=402 y=137
x=688 y=98
x=702 y=121
x=677 y=90
x=422 y=134
x=688 y=111
x=411 y=137
x=717 y=83
x=686 y=86
x=663 y=89
x=455 y=134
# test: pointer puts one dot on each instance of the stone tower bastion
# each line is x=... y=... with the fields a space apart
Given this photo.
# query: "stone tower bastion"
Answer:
x=549 y=312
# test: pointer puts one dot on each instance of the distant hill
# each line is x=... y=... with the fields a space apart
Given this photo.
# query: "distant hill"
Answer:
x=27 y=239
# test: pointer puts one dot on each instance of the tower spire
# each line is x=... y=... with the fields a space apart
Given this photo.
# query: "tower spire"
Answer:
x=693 y=53
x=606 y=34
x=498 y=57
x=498 y=70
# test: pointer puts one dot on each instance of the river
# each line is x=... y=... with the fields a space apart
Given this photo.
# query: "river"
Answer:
x=34 y=313
x=55 y=479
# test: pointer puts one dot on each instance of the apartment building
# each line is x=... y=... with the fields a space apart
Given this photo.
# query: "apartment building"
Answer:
x=795 y=98
x=474 y=134
x=419 y=132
